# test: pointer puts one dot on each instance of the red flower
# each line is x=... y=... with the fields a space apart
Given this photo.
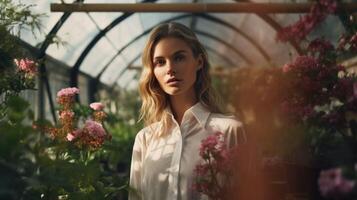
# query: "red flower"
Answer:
x=333 y=185
x=305 y=25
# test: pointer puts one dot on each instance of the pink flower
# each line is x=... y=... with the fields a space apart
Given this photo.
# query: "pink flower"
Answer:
x=306 y=24
x=66 y=115
x=320 y=45
x=97 y=106
x=329 y=5
x=201 y=170
x=355 y=89
x=353 y=41
x=73 y=135
x=70 y=92
x=26 y=65
x=286 y=68
x=333 y=184
x=94 y=129
x=213 y=146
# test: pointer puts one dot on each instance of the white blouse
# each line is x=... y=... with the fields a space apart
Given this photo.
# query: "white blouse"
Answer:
x=163 y=167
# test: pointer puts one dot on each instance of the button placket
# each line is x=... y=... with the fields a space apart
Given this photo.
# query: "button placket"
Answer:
x=175 y=164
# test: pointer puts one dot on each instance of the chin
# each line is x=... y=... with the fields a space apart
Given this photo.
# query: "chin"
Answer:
x=173 y=91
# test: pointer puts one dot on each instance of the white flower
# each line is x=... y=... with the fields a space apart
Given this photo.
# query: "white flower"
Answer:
x=341 y=74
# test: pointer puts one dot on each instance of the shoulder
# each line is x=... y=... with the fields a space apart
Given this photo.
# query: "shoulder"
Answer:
x=224 y=122
x=229 y=125
x=146 y=134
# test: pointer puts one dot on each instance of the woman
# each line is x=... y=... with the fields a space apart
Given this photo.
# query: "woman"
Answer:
x=180 y=110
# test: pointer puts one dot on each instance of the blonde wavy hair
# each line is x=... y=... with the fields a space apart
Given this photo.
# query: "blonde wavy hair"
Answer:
x=154 y=99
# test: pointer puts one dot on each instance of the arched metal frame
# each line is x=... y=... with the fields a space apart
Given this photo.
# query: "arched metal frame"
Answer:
x=74 y=73
x=204 y=16
x=276 y=26
x=43 y=71
x=75 y=69
x=136 y=57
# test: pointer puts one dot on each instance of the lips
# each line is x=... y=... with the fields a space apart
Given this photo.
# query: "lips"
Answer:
x=173 y=80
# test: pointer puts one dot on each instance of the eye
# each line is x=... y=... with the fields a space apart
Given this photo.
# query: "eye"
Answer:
x=179 y=58
x=159 y=62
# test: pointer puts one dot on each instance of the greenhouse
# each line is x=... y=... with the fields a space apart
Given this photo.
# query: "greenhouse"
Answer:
x=178 y=99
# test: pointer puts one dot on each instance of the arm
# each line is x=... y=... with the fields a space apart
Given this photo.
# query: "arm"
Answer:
x=235 y=134
x=136 y=168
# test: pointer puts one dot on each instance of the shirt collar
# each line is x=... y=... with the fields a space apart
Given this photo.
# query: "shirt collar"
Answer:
x=199 y=111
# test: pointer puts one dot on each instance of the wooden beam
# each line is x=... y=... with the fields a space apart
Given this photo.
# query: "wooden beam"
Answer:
x=241 y=7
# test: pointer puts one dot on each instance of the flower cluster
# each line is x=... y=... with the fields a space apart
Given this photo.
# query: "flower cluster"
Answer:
x=318 y=89
x=306 y=24
x=348 y=42
x=26 y=66
x=97 y=106
x=212 y=175
x=92 y=134
x=66 y=97
x=332 y=184
x=98 y=114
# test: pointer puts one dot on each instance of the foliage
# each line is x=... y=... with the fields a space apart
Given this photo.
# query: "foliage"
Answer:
x=37 y=160
x=14 y=18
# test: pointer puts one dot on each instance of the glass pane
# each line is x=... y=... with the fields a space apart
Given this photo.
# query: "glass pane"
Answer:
x=131 y=53
x=127 y=76
x=104 y=19
x=77 y=32
x=98 y=57
x=265 y=36
x=149 y=20
x=47 y=21
x=114 y=70
x=133 y=84
x=125 y=31
x=220 y=48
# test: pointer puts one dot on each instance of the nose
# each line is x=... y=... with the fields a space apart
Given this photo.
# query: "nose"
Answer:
x=171 y=68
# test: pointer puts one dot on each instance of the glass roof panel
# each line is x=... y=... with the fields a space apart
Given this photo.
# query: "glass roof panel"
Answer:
x=47 y=21
x=98 y=57
x=126 y=31
x=231 y=37
x=104 y=19
x=265 y=36
x=133 y=84
x=114 y=70
x=77 y=32
x=81 y=28
x=137 y=62
x=134 y=50
x=220 y=48
x=330 y=29
x=149 y=20
x=126 y=77
x=216 y=59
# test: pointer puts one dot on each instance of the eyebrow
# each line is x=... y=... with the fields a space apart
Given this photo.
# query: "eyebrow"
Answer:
x=177 y=52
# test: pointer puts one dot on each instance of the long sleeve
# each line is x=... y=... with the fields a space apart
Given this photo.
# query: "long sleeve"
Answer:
x=136 y=168
x=235 y=134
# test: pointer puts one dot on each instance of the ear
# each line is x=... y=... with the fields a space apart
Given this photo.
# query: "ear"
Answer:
x=200 y=62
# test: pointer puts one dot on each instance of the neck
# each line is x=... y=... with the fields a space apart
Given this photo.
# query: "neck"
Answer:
x=180 y=103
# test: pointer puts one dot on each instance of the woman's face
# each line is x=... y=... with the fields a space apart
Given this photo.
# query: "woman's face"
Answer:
x=175 y=66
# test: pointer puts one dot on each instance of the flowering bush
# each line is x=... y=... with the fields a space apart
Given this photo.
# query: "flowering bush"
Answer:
x=35 y=165
x=214 y=174
x=13 y=82
x=91 y=136
x=318 y=89
x=332 y=184
x=307 y=23
x=321 y=95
